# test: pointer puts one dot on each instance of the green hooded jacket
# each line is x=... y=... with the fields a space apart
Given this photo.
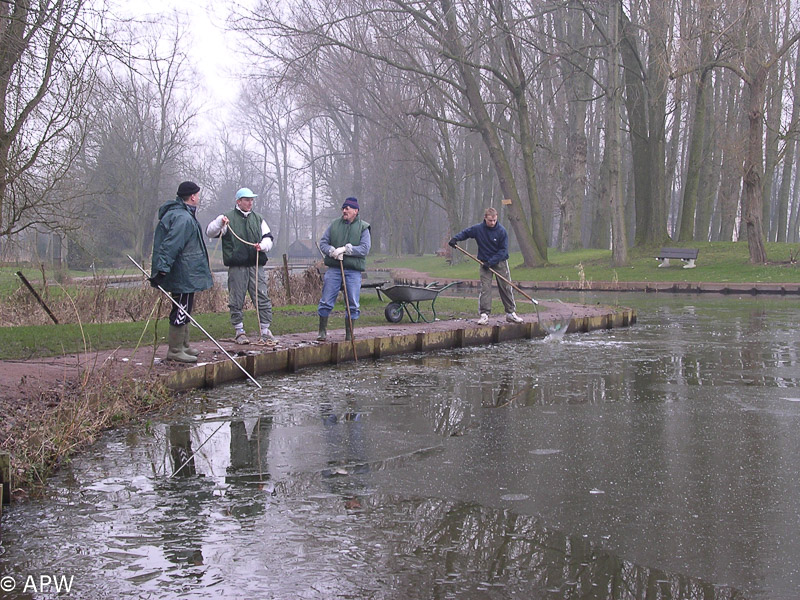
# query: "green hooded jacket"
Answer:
x=179 y=250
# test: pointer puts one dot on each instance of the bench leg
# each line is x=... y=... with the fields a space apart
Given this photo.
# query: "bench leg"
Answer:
x=664 y=263
x=689 y=264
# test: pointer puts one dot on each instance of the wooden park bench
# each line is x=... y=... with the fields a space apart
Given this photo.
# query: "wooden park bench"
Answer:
x=687 y=255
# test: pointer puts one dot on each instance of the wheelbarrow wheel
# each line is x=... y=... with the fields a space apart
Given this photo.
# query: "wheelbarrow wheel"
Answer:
x=394 y=312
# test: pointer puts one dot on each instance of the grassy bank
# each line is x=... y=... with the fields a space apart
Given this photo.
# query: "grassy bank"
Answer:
x=723 y=262
x=717 y=262
x=49 y=430
x=35 y=341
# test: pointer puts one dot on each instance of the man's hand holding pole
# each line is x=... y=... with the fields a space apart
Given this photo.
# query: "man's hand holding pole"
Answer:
x=484 y=265
x=191 y=318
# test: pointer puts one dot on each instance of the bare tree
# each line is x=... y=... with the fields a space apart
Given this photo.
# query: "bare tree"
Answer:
x=619 y=242
x=697 y=132
x=576 y=66
x=789 y=155
x=402 y=28
x=140 y=141
x=760 y=57
x=272 y=119
x=48 y=67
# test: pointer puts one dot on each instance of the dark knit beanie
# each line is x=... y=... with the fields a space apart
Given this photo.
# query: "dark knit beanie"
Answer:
x=187 y=188
x=351 y=202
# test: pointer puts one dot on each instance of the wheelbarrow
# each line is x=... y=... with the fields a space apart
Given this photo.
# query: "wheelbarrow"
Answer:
x=404 y=298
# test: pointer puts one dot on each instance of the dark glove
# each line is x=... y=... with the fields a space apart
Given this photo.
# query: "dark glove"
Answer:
x=157 y=279
x=485 y=265
x=452 y=242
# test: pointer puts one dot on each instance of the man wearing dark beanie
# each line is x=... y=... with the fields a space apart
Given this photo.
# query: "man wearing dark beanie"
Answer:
x=180 y=265
x=348 y=240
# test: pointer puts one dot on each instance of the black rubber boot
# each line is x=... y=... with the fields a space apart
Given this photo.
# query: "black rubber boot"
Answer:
x=323 y=329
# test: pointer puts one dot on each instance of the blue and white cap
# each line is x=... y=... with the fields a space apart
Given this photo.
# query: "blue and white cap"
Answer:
x=245 y=193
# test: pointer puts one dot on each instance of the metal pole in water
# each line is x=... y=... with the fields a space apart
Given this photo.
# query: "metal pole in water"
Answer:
x=196 y=324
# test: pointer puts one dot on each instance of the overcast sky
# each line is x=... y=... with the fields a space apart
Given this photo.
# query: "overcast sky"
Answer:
x=212 y=49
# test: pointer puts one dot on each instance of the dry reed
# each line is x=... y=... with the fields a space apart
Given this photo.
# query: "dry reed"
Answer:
x=72 y=417
x=97 y=299
x=45 y=430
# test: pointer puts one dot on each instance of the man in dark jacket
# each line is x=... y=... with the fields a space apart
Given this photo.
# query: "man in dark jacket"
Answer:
x=180 y=265
x=246 y=237
x=492 y=241
x=348 y=240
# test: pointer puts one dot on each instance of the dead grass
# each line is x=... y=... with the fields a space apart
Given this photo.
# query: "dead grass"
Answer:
x=43 y=432
x=47 y=428
x=97 y=300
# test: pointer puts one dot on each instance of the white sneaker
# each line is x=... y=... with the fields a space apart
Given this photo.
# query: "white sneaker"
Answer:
x=484 y=320
x=513 y=318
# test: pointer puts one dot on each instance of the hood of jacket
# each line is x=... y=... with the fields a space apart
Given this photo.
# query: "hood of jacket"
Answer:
x=174 y=204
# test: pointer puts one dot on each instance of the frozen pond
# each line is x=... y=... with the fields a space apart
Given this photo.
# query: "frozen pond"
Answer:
x=657 y=461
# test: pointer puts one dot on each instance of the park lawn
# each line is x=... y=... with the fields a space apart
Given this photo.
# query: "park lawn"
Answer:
x=34 y=341
x=725 y=262
x=722 y=262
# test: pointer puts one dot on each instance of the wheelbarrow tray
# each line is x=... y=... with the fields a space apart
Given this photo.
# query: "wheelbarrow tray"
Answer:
x=409 y=293
x=404 y=296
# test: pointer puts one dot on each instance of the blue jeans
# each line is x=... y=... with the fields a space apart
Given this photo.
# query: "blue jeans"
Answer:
x=332 y=283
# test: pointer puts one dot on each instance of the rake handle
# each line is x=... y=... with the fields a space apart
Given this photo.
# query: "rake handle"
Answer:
x=508 y=281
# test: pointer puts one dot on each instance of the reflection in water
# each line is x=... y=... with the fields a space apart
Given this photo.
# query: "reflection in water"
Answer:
x=475 y=552
x=180 y=444
x=249 y=448
x=635 y=463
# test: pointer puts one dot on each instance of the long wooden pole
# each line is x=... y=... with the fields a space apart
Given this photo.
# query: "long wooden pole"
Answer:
x=196 y=324
x=508 y=281
x=347 y=308
x=38 y=298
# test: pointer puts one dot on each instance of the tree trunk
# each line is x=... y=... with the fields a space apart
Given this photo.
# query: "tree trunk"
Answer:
x=657 y=83
x=635 y=102
x=752 y=197
x=732 y=127
x=695 y=161
x=619 y=241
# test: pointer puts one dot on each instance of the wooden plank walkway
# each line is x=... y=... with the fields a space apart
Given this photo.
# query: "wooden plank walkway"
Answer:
x=296 y=351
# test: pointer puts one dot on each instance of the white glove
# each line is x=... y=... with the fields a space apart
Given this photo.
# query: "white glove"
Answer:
x=348 y=249
x=265 y=245
x=218 y=227
x=332 y=252
x=338 y=254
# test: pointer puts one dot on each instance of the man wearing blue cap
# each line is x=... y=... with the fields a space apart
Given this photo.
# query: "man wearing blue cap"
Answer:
x=246 y=238
x=348 y=240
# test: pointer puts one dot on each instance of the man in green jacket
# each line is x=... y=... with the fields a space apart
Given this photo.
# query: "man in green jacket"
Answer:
x=246 y=237
x=180 y=265
x=348 y=240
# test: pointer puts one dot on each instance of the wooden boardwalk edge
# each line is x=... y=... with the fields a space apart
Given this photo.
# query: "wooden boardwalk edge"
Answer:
x=375 y=347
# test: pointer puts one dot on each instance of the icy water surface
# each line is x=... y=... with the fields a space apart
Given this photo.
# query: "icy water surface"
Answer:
x=658 y=461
